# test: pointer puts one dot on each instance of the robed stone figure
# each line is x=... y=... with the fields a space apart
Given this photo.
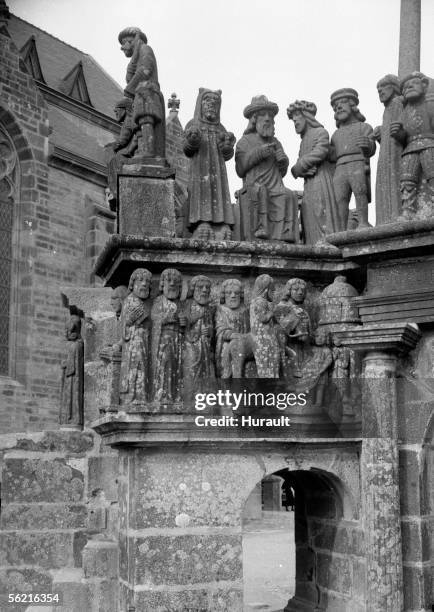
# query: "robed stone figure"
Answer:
x=72 y=383
x=209 y=145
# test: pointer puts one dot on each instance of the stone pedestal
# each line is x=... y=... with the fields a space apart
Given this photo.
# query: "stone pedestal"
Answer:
x=146 y=196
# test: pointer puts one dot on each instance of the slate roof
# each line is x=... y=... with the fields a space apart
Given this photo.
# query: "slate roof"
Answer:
x=57 y=59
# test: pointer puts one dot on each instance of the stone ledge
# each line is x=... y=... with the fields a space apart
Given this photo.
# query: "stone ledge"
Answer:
x=386 y=241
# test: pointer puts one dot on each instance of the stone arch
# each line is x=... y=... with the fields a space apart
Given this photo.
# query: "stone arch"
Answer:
x=17 y=174
x=330 y=565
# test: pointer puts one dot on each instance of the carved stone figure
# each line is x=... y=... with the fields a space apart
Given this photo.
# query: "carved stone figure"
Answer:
x=168 y=325
x=117 y=299
x=121 y=149
x=209 y=146
x=318 y=209
x=232 y=327
x=198 y=357
x=352 y=145
x=143 y=87
x=294 y=323
x=266 y=347
x=387 y=195
x=415 y=131
x=268 y=209
x=343 y=372
x=135 y=365
x=72 y=383
x=316 y=366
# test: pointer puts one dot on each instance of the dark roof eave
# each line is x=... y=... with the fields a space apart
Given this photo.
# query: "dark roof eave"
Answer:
x=78 y=108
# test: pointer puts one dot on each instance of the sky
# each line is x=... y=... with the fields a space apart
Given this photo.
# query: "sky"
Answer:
x=285 y=49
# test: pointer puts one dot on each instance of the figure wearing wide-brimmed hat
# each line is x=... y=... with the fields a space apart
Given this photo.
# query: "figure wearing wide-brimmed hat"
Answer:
x=351 y=147
x=387 y=195
x=318 y=208
x=268 y=209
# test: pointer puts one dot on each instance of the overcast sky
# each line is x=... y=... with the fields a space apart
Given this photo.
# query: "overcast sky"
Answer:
x=285 y=49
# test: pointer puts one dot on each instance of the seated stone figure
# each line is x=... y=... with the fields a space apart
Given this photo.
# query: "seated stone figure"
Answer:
x=268 y=209
x=233 y=347
x=415 y=131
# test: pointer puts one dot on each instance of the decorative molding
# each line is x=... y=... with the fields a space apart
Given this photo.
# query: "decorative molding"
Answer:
x=78 y=165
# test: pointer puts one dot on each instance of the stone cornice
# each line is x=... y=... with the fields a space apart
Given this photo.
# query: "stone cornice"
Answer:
x=399 y=338
x=78 y=165
x=78 y=108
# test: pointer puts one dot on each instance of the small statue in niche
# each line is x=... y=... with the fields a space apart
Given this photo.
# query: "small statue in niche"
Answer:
x=343 y=373
x=72 y=383
x=232 y=327
x=168 y=325
x=318 y=208
x=143 y=88
x=209 y=145
x=266 y=347
x=294 y=324
x=198 y=356
x=415 y=131
x=268 y=209
x=352 y=145
x=121 y=149
x=134 y=385
x=317 y=365
x=387 y=194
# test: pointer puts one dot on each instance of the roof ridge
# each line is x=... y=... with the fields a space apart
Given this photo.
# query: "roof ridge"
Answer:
x=51 y=35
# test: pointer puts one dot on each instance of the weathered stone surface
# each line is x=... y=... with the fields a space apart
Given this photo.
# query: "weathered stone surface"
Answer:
x=48 y=550
x=100 y=559
x=199 y=600
x=358 y=582
x=409 y=482
x=75 y=592
x=417 y=589
x=334 y=573
x=147 y=206
x=36 y=480
x=416 y=540
x=43 y=516
x=70 y=442
x=187 y=559
x=337 y=538
x=103 y=475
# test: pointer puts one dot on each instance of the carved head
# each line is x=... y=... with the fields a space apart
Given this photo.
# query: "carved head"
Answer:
x=121 y=109
x=140 y=283
x=345 y=105
x=264 y=287
x=210 y=106
x=295 y=290
x=321 y=337
x=200 y=289
x=117 y=299
x=414 y=86
x=232 y=293
x=171 y=283
x=73 y=328
x=260 y=113
x=128 y=38
x=303 y=114
x=388 y=87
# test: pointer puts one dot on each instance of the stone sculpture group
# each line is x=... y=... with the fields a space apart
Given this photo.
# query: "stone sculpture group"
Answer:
x=172 y=347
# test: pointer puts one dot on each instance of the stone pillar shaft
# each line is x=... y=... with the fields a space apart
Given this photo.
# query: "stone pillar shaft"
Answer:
x=409 y=37
x=380 y=484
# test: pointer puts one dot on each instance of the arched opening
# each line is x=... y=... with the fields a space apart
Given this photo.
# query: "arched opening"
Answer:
x=307 y=559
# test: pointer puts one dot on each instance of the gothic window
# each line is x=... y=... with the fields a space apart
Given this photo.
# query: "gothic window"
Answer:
x=8 y=180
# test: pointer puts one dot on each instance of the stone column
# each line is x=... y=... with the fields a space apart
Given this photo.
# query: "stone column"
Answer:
x=379 y=464
x=381 y=344
x=409 y=37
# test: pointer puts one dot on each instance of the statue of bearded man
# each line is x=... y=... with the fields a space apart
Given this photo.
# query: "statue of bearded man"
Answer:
x=269 y=210
x=209 y=145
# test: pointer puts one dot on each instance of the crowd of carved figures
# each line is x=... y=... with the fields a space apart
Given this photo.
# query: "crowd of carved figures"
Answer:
x=172 y=347
x=333 y=168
